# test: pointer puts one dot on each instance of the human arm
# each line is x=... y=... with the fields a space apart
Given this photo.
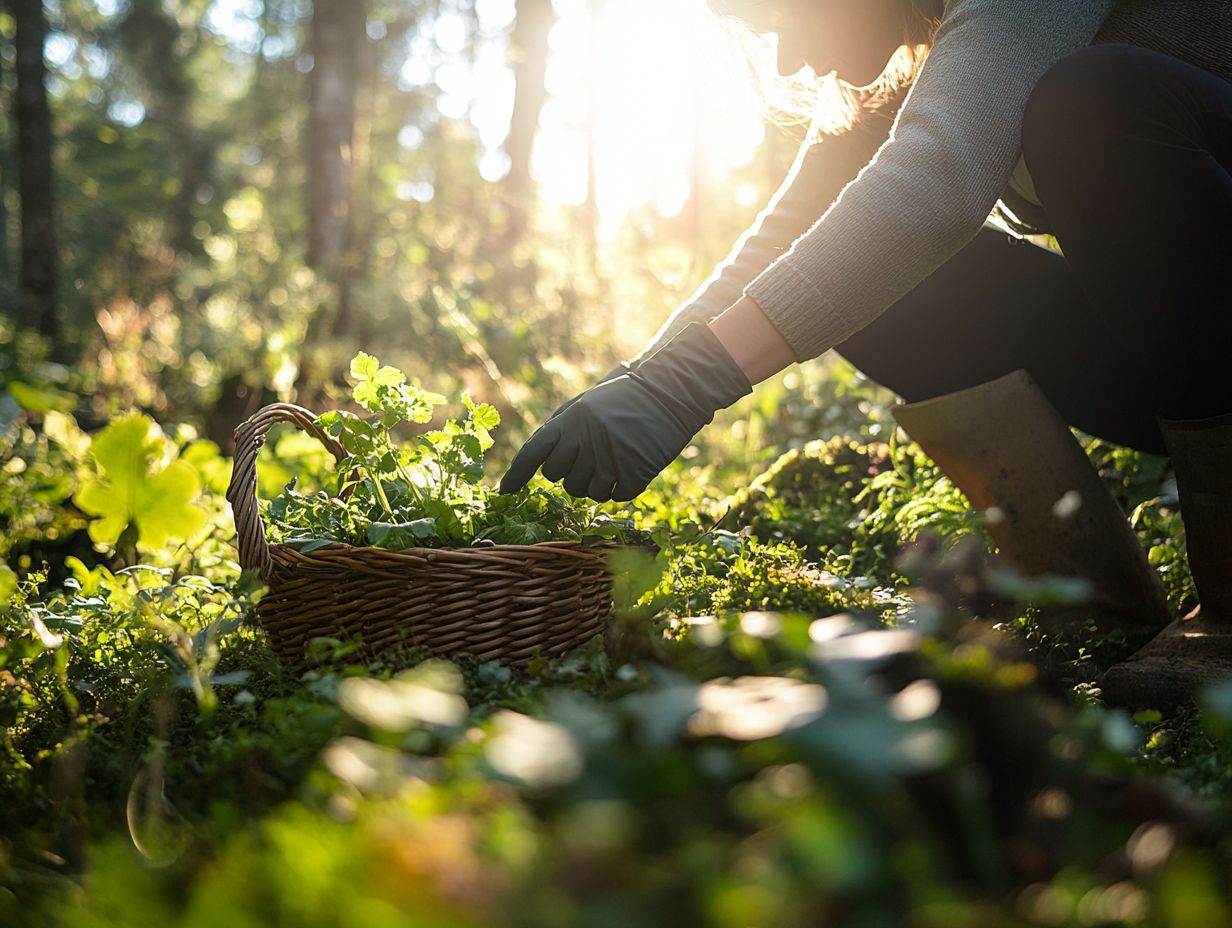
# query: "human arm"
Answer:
x=930 y=188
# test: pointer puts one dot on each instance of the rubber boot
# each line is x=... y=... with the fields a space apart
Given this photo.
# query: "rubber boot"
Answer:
x=1007 y=448
x=1197 y=649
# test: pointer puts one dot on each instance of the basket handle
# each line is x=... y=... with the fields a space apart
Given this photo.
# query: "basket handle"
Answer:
x=242 y=491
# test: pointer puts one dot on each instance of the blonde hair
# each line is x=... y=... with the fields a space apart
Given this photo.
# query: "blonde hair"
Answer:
x=825 y=103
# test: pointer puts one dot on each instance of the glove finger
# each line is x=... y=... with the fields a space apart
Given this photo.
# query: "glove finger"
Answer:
x=601 y=486
x=527 y=461
x=560 y=461
x=628 y=488
x=577 y=481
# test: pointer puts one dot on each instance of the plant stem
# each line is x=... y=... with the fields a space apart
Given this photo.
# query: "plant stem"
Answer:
x=380 y=491
x=410 y=485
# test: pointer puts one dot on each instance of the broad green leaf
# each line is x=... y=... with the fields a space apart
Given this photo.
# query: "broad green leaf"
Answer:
x=473 y=446
x=89 y=580
x=526 y=533
x=308 y=545
x=131 y=488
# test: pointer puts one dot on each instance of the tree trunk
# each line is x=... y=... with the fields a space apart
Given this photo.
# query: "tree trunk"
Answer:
x=38 y=234
x=363 y=186
x=161 y=47
x=6 y=168
x=591 y=212
x=338 y=40
x=529 y=51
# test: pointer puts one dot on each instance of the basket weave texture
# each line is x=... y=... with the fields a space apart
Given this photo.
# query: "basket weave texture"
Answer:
x=501 y=603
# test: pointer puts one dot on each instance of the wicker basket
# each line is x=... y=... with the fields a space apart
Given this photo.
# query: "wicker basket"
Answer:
x=503 y=603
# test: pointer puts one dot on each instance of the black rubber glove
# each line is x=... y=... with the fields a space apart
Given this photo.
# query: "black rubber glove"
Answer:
x=620 y=434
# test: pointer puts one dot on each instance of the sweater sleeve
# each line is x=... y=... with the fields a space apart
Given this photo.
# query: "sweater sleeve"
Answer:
x=820 y=171
x=929 y=189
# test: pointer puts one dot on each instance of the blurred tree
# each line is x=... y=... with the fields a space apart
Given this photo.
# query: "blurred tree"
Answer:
x=161 y=46
x=528 y=47
x=6 y=165
x=338 y=41
x=34 y=141
x=591 y=210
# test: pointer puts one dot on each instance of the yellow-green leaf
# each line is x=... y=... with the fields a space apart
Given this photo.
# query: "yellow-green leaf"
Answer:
x=8 y=584
x=62 y=428
x=485 y=416
x=40 y=400
x=132 y=487
x=389 y=377
x=364 y=366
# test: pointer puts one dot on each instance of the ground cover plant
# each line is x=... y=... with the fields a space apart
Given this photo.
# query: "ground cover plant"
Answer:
x=798 y=717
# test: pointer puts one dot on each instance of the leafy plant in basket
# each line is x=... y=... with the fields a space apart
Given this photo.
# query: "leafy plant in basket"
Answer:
x=426 y=492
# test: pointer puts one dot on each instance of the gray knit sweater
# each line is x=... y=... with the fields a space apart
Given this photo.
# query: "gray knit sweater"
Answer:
x=920 y=194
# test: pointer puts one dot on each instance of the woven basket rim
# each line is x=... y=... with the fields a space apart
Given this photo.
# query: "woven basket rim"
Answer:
x=565 y=546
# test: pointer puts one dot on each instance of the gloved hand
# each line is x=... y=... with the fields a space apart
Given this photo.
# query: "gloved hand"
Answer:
x=617 y=436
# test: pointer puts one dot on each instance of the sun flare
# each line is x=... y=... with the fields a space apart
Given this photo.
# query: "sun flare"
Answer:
x=652 y=84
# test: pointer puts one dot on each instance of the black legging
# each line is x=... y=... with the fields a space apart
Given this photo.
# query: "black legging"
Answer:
x=1131 y=154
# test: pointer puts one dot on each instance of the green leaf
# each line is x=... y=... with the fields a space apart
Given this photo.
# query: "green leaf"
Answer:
x=368 y=395
x=525 y=533
x=389 y=377
x=132 y=489
x=8 y=584
x=485 y=416
x=473 y=447
x=308 y=545
x=64 y=431
x=397 y=536
x=364 y=366
x=41 y=400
